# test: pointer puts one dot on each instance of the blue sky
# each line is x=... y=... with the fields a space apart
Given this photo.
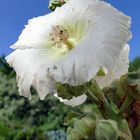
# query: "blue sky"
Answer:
x=14 y=14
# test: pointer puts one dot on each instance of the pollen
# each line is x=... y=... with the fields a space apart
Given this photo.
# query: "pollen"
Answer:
x=59 y=36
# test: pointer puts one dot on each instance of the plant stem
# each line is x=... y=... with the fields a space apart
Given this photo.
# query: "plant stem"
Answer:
x=125 y=105
x=96 y=95
x=92 y=97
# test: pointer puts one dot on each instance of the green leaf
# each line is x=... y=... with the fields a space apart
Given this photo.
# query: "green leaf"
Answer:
x=106 y=130
x=135 y=64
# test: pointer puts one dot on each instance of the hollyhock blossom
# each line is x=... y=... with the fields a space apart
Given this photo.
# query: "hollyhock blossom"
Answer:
x=71 y=45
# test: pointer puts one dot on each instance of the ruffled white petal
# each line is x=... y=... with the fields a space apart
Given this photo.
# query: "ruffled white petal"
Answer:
x=28 y=63
x=43 y=83
x=75 y=101
x=35 y=34
x=120 y=69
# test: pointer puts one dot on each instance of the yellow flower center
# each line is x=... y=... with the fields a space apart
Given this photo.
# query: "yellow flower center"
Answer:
x=59 y=36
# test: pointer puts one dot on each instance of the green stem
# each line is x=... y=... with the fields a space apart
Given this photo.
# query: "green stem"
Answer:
x=96 y=95
x=126 y=104
x=92 y=97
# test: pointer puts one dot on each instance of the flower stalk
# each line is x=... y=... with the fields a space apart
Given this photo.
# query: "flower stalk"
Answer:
x=125 y=105
x=96 y=95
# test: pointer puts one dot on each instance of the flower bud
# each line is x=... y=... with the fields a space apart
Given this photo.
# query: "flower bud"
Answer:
x=106 y=130
x=56 y=3
x=83 y=129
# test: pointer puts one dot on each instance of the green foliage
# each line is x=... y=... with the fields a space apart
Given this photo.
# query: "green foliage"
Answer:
x=30 y=134
x=128 y=84
x=5 y=68
x=8 y=132
x=135 y=64
x=5 y=132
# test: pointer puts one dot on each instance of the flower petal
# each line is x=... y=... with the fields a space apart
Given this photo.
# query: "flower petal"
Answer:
x=36 y=33
x=75 y=101
x=27 y=63
x=120 y=69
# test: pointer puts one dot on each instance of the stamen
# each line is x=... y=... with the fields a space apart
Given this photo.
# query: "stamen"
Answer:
x=59 y=36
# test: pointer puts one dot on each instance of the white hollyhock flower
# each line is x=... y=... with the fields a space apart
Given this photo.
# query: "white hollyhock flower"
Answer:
x=71 y=45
